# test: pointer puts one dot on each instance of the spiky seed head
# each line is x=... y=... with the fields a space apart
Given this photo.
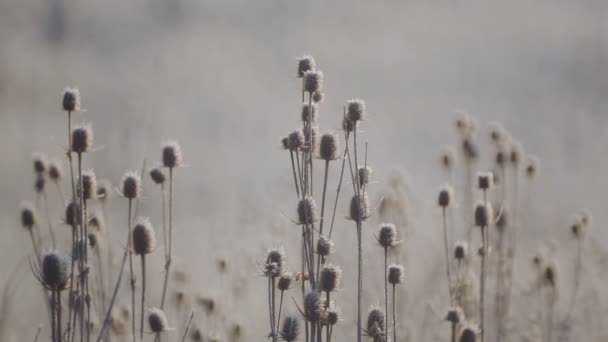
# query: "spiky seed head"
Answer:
x=503 y=220
x=307 y=211
x=501 y=156
x=469 y=332
x=313 y=306
x=104 y=190
x=98 y=224
x=157 y=175
x=285 y=143
x=296 y=140
x=485 y=180
x=465 y=125
x=324 y=246
x=208 y=304
x=314 y=134
x=365 y=175
x=484 y=215
x=395 y=274
x=82 y=138
x=196 y=335
x=89 y=185
x=550 y=275
x=387 y=235
x=55 y=271
x=318 y=97
x=347 y=125
x=313 y=81
x=355 y=110
x=330 y=278
x=144 y=239
x=157 y=320
x=498 y=134
x=447 y=156
x=470 y=149
x=359 y=208
x=375 y=323
x=446 y=193
x=532 y=165
x=461 y=250
x=72 y=216
x=329 y=146
x=305 y=63
x=332 y=316
x=131 y=185
x=172 y=154
x=516 y=153
x=71 y=99
x=284 y=282
x=577 y=227
x=275 y=263
x=40 y=163
x=306 y=112
x=54 y=171
x=290 y=329
x=455 y=315
x=537 y=260
x=28 y=215
x=40 y=183
x=94 y=239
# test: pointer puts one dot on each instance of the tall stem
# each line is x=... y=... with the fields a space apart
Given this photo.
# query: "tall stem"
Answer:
x=394 y=315
x=75 y=238
x=143 y=294
x=168 y=261
x=48 y=218
x=386 y=289
x=319 y=259
x=447 y=254
x=293 y=169
x=359 y=247
x=333 y=216
x=280 y=309
x=132 y=278
x=59 y=336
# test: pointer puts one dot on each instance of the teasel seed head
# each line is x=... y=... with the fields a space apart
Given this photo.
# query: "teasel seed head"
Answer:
x=307 y=211
x=328 y=149
x=40 y=183
x=296 y=140
x=465 y=125
x=290 y=329
x=332 y=315
x=387 y=235
x=285 y=143
x=485 y=180
x=28 y=215
x=104 y=190
x=461 y=250
x=94 y=239
x=470 y=149
x=330 y=278
x=89 y=185
x=447 y=156
x=157 y=175
x=359 y=208
x=550 y=275
x=72 y=214
x=395 y=274
x=532 y=165
x=469 y=332
x=446 y=193
x=313 y=306
x=196 y=335
x=144 y=239
x=375 y=323
x=131 y=185
x=55 y=271
x=355 y=111
x=208 y=304
x=313 y=81
x=516 y=153
x=55 y=171
x=314 y=114
x=71 y=99
x=484 y=215
x=498 y=134
x=284 y=282
x=82 y=138
x=275 y=263
x=455 y=315
x=347 y=125
x=365 y=175
x=318 y=97
x=501 y=155
x=325 y=246
x=157 y=320
x=172 y=154
x=98 y=224
x=577 y=227
x=40 y=163
x=305 y=63
x=315 y=138
x=537 y=260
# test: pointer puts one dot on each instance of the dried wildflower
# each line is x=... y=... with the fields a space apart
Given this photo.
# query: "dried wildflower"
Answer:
x=54 y=171
x=532 y=166
x=469 y=332
x=131 y=185
x=28 y=215
x=144 y=239
x=307 y=211
x=447 y=157
x=157 y=321
x=484 y=215
x=365 y=175
x=275 y=263
x=285 y=143
x=222 y=265
x=296 y=140
x=55 y=271
x=355 y=110
x=375 y=324
x=455 y=315
x=72 y=217
x=324 y=246
x=82 y=138
x=172 y=155
x=313 y=81
x=318 y=97
x=290 y=329
x=461 y=250
x=586 y=217
x=329 y=147
x=347 y=125
x=387 y=235
x=313 y=306
x=305 y=63
x=446 y=193
x=516 y=153
x=284 y=282
x=196 y=335
x=550 y=275
x=104 y=190
x=470 y=149
x=306 y=113
x=71 y=99
x=312 y=132
x=485 y=180
x=157 y=176
x=498 y=134
x=40 y=163
x=395 y=274
x=208 y=304
x=40 y=183
x=332 y=316
x=465 y=125
x=94 y=239
x=89 y=185
x=359 y=208
x=501 y=156
x=330 y=278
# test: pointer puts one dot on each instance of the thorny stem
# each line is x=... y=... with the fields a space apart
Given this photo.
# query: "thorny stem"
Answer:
x=143 y=294
x=447 y=254
x=168 y=260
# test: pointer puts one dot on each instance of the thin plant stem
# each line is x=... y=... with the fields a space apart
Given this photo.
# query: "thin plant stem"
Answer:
x=453 y=332
x=48 y=218
x=303 y=278
x=72 y=294
x=59 y=336
x=447 y=254
x=482 y=288
x=319 y=260
x=162 y=195
x=37 y=334
x=386 y=289
x=394 y=315
x=333 y=216
x=578 y=266
x=293 y=169
x=54 y=315
x=35 y=245
x=187 y=326
x=270 y=314
x=359 y=247
x=274 y=325
x=61 y=195
x=84 y=236
x=168 y=261
x=280 y=309
x=143 y=294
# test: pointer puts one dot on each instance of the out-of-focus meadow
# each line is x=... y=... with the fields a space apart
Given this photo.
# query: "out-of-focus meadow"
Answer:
x=220 y=77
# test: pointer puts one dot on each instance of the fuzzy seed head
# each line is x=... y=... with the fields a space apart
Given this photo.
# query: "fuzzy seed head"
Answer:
x=72 y=216
x=55 y=271
x=89 y=185
x=375 y=323
x=347 y=125
x=318 y=97
x=290 y=329
x=329 y=147
x=54 y=171
x=461 y=250
x=157 y=175
x=28 y=215
x=465 y=124
x=485 y=180
x=395 y=274
x=484 y=215
x=305 y=63
x=82 y=138
x=532 y=166
x=501 y=156
x=470 y=149
x=447 y=156
x=143 y=239
x=365 y=175
x=306 y=113
x=550 y=275
x=307 y=211
x=71 y=99
x=312 y=132
x=468 y=333
x=131 y=185
x=296 y=140
x=516 y=153
x=330 y=278
x=387 y=235
x=455 y=315
x=98 y=224
x=446 y=193
x=324 y=246
x=172 y=154
x=157 y=321
x=104 y=190
x=275 y=263
x=285 y=143
x=577 y=228
x=40 y=183
x=313 y=306
x=313 y=81
x=359 y=208
x=284 y=282
x=94 y=239
x=498 y=134
x=586 y=217
x=355 y=110
x=40 y=163
x=332 y=316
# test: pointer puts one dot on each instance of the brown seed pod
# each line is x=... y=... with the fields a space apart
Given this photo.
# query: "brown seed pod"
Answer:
x=375 y=324
x=446 y=193
x=55 y=271
x=447 y=156
x=313 y=81
x=82 y=138
x=461 y=250
x=157 y=176
x=172 y=154
x=284 y=282
x=355 y=110
x=359 y=208
x=306 y=112
x=330 y=277
x=71 y=99
x=485 y=180
x=307 y=211
x=275 y=263
x=28 y=215
x=290 y=328
x=89 y=185
x=324 y=246
x=157 y=321
x=395 y=274
x=387 y=235
x=484 y=215
x=305 y=63
x=131 y=185
x=329 y=147
x=55 y=171
x=143 y=239
x=455 y=315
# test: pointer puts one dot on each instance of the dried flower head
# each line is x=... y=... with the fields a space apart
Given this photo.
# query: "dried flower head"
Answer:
x=329 y=147
x=40 y=183
x=104 y=189
x=501 y=155
x=72 y=216
x=98 y=224
x=54 y=171
x=296 y=140
x=157 y=320
x=55 y=271
x=455 y=315
x=469 y=332
x=307 y=113
x=290 y=329
x=550 y=275
x=131 y=185
x=71 y=99
x=447 y=156
x=275 y=263
x=365 y=175
x=144 y=239
x=347 y=125
x=40 y=163
x=516 y=153
x=470 y=149
x=311 y=132
x=305 y=63
x=395 y=274
x=285 y=143
x=157 y=175
x=465 y=125
x=532 y=165
x=484 y=215
x=196 y=335
x=89 y=185
x=577 y=227
x=461 y=250
x=172 y=154
x=284 y=282
x=313 y=306
x=307 y=211
x=318 y=97
x=387 y=235
x=375 y=324
x=324 y=246
x=485 y=180
x=313 y=81
x=208 y=304
x=498 y=134
x=94 y=239
x=330 y=278
x=355 y=110
x=28 y=215
x=332 y=316
x=82 y=138
x=359 y=208
x=446 y=193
